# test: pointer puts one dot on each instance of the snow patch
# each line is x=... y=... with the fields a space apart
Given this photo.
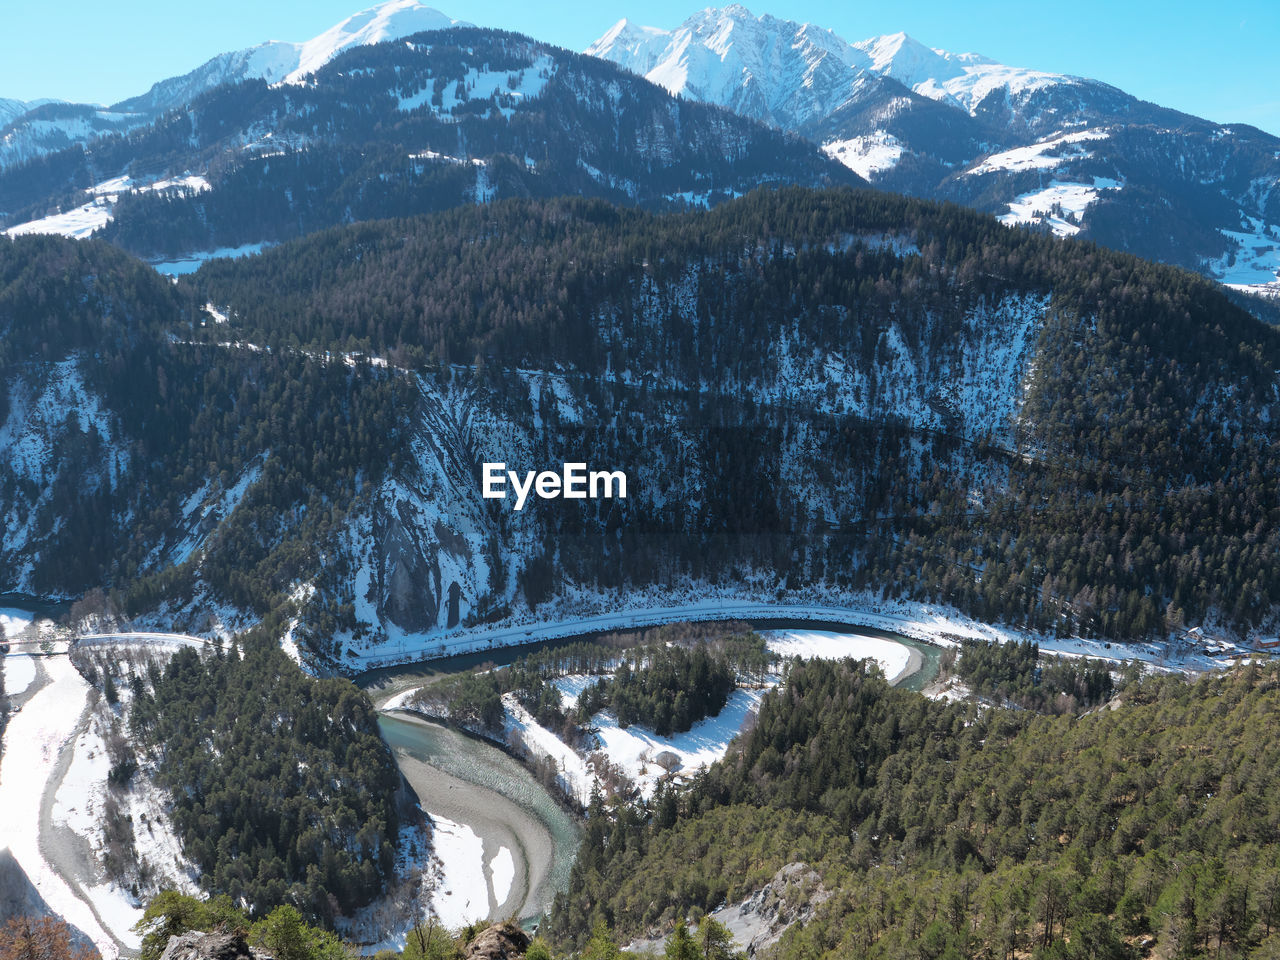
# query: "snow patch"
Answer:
x=19 y=673
x=1060 y=205
x=33 y=741
x=517 y=86
x=462 y=894
x=1252 y=260
x=215 y=511
x=893 y=657
x=503 y=869
x=1045 y=155
x=387 y=21
x=78 y=223
x=79 y=806
x=866 y=156
x=575 y=774
x=635 y=749
x=571 y=687
x=81 y=222
x=13 y=620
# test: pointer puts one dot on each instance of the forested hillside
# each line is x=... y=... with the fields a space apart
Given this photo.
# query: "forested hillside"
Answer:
x=947 y=399
x=818 y=392
x=291 y=800
x=948 y=831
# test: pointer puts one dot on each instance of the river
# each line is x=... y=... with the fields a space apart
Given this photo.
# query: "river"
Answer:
x=471 y=782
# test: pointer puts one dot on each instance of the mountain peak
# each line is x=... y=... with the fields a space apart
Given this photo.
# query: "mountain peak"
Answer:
x=386 y=21
x=907 y=60
x=624 y=35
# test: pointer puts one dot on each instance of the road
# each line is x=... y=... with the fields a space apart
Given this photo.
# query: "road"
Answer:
x=473 y=640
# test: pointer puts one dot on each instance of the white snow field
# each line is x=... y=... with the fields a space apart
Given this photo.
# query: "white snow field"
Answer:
x=14 y=620
x=571 y=687
x=76 y=223
x=1253 y=263
x=867 y=155
x=80 y=222
x=576 y=776
x=462 y=895
x=635 y=749
x=1045 y=155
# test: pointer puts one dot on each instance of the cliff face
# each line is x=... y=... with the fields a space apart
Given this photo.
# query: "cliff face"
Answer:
x=793 y=896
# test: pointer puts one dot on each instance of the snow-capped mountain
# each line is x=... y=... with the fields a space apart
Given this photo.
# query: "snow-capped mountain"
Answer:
x=279 y=61
x=397 y=128
x=32 y=130
x=773 y=70
x=1066 y=154
x=797 y=74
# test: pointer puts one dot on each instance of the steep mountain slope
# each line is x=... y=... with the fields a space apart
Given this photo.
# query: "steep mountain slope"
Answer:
x=121 y=436
x=458 y=116
x=1066 y=154
x=813 y=394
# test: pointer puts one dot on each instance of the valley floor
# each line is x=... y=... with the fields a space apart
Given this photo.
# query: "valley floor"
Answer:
x=57 y=801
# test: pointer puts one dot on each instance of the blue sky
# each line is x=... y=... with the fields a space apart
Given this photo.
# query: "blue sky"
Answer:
x=1215 y=60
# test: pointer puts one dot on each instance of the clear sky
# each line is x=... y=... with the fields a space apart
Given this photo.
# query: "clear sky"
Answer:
x=1216 y=60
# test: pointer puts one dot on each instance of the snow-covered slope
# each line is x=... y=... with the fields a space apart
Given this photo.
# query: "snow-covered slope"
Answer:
x=769 y=69
x=387 y=21
x=10 y=110
x=80 y=222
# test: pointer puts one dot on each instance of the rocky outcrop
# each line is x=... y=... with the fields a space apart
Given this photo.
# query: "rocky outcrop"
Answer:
x=502 y=941
x=211 y=946
x=792 y=896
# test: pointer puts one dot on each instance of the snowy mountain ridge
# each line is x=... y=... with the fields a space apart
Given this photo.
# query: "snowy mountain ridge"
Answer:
x=10 y=110
x=278 y=61
x=28 y=132
x=731 y=57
